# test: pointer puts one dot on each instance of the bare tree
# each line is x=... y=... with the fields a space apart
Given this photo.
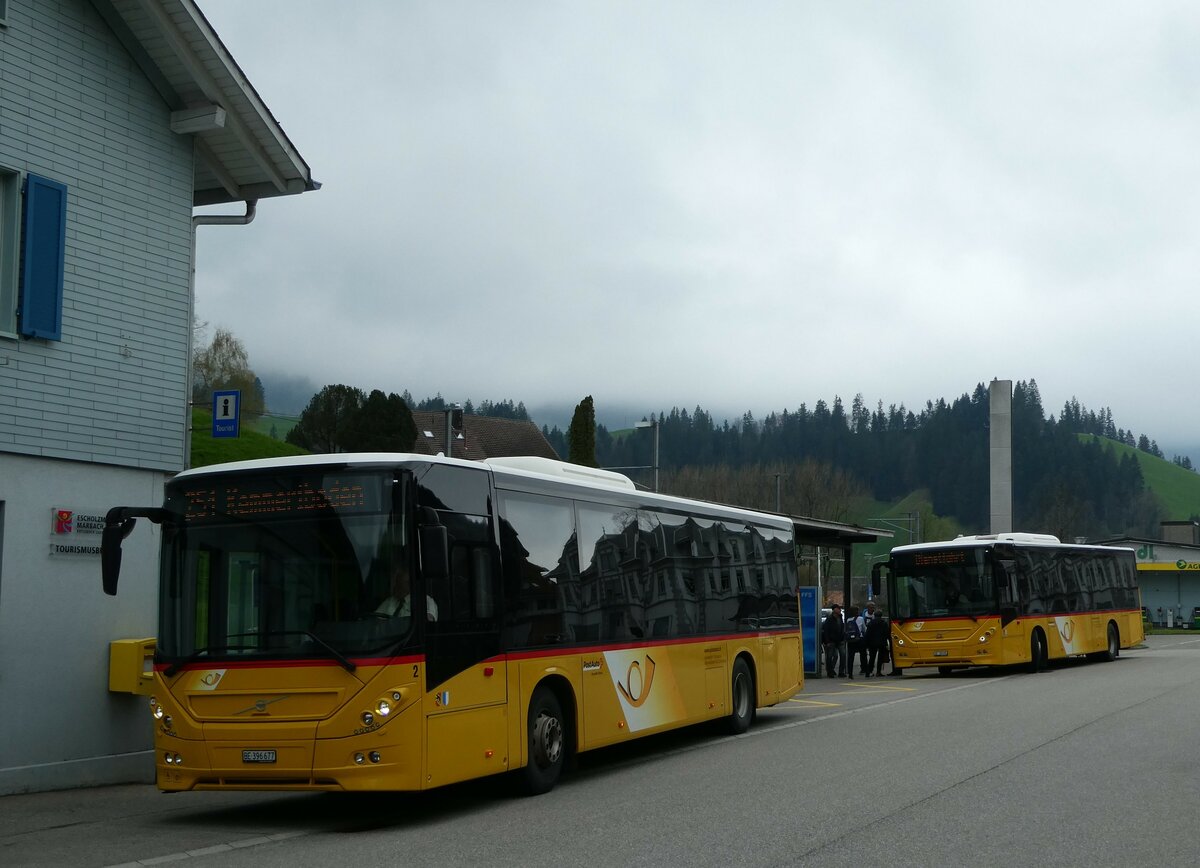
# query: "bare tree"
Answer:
x=224 y=364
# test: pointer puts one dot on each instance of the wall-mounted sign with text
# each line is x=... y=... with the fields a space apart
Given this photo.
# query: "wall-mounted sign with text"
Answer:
x=75 y=531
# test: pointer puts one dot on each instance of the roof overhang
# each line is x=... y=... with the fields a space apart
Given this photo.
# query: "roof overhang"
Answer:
x=815 y=531
x=242 y=153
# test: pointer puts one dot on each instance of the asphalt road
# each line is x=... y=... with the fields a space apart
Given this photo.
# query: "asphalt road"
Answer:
x=1088 y=764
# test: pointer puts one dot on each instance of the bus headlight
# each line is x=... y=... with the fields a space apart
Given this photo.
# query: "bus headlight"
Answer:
x=155 y=708
x=384 y=708
x=899 y=641
x=367 y=718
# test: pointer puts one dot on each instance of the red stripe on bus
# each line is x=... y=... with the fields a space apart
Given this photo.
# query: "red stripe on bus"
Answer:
x=557 y=651
x=1027 y=617
x=292 y=664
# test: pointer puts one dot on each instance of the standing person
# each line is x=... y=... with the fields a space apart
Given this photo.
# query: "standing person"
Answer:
x=833 y=635
x=855 y=642
x=868 y=614
x=877 y=644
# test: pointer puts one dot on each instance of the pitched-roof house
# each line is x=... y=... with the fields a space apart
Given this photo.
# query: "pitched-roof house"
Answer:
x=117 y=118
x=479 y=437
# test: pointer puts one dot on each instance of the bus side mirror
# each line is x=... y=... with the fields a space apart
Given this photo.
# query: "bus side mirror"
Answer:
x=118 y=524
x=873 y=590
x=1008 y=614
x=110 y=552
x=435 y=547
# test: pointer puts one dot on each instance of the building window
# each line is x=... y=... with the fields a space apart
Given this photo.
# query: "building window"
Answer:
x=10 y=233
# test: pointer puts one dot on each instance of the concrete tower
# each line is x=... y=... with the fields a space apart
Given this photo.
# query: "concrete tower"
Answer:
x=1000 y=454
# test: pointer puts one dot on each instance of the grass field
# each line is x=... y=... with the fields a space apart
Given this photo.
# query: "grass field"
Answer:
x=249 y=444
x=1177 y=488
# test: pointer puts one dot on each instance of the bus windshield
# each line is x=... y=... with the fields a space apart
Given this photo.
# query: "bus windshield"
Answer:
x=943 y=583
x=303 y=563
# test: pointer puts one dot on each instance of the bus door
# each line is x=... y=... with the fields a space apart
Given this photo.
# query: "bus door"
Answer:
x=466 y=681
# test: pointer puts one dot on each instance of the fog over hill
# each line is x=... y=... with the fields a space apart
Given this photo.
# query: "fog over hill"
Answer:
x=288 y=394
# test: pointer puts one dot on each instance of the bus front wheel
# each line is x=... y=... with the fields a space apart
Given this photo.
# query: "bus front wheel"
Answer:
x=743 y=698
x=547 y=742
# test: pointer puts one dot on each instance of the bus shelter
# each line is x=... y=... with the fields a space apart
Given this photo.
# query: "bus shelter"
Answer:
x=824 y=554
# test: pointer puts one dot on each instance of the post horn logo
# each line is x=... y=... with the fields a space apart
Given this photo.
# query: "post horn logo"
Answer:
x=1067 y=630
x=644 y=683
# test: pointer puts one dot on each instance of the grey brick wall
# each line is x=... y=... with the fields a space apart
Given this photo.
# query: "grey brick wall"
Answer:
x=75 y=108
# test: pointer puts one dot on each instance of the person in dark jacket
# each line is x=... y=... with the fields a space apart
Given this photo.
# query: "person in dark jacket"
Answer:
x=833 y=635
x=878 y=640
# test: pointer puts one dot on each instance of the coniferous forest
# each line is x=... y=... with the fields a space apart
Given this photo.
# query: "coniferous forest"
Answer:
x=822 y=462
x=1062 y=483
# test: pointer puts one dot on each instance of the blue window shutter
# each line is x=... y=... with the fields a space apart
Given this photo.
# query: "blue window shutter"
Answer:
x=43 y=251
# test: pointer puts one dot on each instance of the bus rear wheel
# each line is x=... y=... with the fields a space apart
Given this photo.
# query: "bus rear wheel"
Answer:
x=1113 y=651
x=547 y=742
x=1037 y=651
x=742 y=712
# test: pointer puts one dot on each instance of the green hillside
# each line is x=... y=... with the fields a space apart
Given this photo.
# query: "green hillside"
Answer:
x=1178 y=489
x=273 y=425
x=900 y=518
x=250 y=444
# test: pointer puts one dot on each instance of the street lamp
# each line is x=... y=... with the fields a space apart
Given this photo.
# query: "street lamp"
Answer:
x=454 y=422
x=653 y=423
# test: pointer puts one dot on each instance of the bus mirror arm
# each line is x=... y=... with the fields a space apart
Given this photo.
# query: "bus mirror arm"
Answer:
x=118 y=524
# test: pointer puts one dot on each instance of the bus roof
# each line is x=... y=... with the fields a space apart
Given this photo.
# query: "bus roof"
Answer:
x=990 y=539
x=506 y=471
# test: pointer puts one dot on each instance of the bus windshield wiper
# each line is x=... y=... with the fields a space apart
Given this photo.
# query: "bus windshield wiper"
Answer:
x=201 y=652
x=345 y=662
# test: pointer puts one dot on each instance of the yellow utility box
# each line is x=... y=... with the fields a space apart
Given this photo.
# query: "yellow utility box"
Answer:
x=131 y=666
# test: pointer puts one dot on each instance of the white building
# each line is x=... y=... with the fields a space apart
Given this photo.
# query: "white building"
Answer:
x=117 y=118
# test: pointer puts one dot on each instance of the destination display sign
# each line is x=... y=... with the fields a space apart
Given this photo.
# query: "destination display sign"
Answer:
x=940 y=558
x=274 y=496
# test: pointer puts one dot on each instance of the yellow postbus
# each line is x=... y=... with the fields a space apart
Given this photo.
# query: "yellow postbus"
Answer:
x=402 y=622
x=1009 y=598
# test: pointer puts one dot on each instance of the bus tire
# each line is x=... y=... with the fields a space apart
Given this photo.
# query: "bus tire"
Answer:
x=945 y=670
x=742 y=696
x=1037 y=651
x=1113 y=650
x=547 y=742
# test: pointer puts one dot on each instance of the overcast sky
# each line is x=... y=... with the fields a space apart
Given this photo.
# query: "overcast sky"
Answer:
x=742 y=206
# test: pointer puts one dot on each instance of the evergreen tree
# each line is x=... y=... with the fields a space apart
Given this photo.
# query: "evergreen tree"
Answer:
x=325 y=422
x=581 y=435
x=383 y=423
